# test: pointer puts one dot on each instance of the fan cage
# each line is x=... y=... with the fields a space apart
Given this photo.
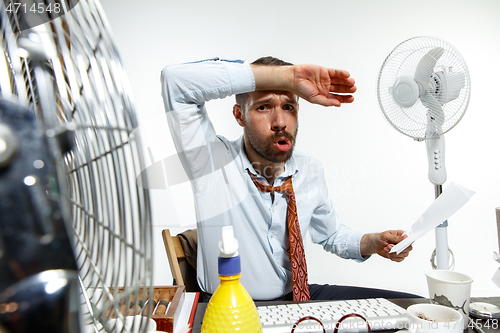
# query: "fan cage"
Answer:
x=403 y=61
x=111 y=219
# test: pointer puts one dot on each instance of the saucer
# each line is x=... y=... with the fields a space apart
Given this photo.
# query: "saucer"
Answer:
x=484 y=310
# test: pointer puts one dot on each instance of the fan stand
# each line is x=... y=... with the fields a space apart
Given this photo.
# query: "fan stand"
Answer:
x=440 y=258
x=437 y=175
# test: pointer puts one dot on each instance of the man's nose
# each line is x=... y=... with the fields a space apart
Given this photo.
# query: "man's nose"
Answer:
x=278 y=121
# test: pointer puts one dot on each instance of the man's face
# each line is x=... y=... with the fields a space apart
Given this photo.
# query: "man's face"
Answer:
x=271 y=123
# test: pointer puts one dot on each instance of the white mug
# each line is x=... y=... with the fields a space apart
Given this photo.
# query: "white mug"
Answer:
x=433 y=318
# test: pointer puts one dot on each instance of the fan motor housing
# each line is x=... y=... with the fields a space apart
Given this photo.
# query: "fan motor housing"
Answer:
x=405 y=91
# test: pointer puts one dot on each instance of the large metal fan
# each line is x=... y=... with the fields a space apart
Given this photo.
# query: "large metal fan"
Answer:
x=64 y=89
x=423 y=91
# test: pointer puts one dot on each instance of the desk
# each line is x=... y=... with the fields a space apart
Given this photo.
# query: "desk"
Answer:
x=403 y=302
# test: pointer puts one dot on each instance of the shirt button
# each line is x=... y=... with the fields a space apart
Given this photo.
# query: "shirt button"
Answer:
x=272 y=235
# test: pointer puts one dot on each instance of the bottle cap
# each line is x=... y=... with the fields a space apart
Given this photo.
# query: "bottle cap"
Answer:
x=229 y=266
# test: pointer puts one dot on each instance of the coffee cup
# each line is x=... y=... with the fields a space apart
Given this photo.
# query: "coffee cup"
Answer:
x=451 y=289
x=433 y=318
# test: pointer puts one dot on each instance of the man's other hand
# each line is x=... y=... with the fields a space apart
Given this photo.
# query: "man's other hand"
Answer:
x=382 y=243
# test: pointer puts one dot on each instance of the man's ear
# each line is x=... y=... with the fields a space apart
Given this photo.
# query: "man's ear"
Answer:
x=238 y=115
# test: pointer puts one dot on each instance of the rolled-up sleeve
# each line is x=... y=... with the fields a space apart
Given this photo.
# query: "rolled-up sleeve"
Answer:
x=201 y=81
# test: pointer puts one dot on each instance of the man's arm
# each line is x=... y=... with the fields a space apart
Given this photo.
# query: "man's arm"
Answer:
x=382 y=243
x=197 y=82
x=194 y=83
x=185 y=89
x=315 y=84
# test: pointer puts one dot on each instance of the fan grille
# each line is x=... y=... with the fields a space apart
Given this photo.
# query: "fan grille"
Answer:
x=403 y=61
x=110 y=213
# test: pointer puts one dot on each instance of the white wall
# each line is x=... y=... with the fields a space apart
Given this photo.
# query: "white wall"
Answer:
x=377 y=176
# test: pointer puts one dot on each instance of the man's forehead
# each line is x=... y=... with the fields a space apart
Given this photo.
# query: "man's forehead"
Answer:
x=271 y=96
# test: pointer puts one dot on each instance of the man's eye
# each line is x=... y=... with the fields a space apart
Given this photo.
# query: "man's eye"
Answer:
x=262 y=108
x=288 y=107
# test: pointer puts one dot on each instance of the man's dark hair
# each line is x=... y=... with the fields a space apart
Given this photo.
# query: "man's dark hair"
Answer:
x=241 y=99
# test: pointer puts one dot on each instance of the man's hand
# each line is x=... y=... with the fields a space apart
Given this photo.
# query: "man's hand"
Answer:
x=321 y=85
x=315 y=84
x=382 y=244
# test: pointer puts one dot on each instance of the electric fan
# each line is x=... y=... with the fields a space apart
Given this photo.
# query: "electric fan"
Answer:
x=66 y=109
x=423 y=90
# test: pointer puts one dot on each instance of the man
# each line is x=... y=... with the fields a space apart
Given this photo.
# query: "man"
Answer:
x=233 y=181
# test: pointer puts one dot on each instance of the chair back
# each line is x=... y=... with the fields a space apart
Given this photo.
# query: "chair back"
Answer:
x=181 y=253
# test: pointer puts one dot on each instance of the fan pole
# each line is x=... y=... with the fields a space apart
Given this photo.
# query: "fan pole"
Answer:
x=442 y=259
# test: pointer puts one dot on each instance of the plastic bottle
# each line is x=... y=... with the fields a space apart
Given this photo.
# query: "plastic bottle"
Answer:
x=231 y=309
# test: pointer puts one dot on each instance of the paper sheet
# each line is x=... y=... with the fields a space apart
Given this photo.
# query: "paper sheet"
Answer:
x=496 y=276
x=447 y=204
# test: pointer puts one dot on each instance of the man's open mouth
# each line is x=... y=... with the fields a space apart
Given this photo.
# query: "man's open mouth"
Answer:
x=283 y=144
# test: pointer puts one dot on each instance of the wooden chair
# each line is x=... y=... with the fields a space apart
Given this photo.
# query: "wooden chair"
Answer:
x=183 y=273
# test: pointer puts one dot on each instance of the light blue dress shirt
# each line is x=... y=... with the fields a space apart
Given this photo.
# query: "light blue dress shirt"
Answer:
x=224 y=193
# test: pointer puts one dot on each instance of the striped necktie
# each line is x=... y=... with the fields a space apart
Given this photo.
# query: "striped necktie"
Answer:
x=295 y=245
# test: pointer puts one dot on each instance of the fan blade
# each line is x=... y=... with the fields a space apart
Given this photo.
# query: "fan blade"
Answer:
x=435 y=115
x=451 y=85
x=426 y=65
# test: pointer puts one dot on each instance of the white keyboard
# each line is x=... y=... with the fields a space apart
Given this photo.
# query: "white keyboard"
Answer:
x=380 y=313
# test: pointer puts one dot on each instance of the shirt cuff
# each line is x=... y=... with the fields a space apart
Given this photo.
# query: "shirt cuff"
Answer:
x=241 y=76
x=355 y=247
